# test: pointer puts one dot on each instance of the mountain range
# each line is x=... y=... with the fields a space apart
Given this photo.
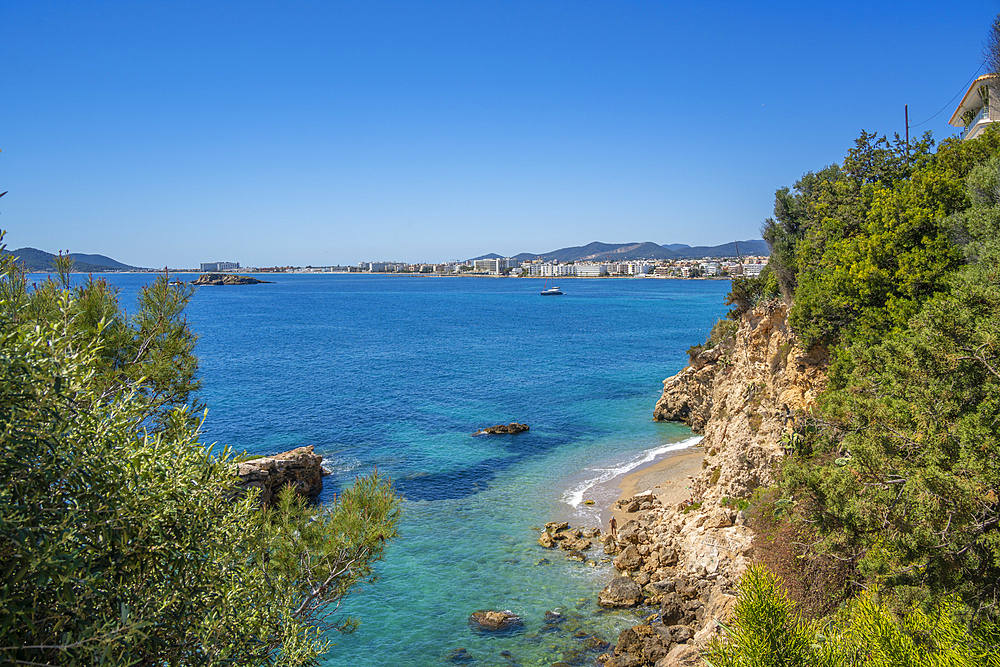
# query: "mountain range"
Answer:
x=34 y=260
x=617 y=252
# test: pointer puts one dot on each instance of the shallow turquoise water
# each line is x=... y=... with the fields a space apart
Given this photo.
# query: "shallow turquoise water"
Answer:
x=397 y=372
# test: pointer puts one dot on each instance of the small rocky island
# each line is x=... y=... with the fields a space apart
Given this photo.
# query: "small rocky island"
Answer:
x=501 y=429
x=301 y=468
x=226 y=279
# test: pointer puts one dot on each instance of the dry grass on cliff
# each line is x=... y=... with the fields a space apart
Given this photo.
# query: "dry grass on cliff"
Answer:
x=817 y=583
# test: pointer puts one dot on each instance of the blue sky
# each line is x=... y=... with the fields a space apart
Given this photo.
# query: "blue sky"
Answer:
x=174 y=133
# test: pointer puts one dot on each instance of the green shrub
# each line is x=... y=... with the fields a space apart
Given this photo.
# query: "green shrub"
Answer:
x=690 y=507
x=694 y=351
x=739 y=504
x=766 y=631
x=721 y=331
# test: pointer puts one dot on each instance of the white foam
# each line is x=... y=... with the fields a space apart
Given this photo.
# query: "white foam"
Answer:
x=574 y=496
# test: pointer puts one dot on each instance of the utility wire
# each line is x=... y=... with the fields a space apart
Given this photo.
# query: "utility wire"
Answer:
x=948 y=103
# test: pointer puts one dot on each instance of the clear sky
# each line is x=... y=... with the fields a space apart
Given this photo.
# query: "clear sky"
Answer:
x=174 y=133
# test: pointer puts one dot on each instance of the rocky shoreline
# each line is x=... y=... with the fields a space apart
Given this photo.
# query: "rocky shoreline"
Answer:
x=683 y=560
x=684 y=600
x=678 y=554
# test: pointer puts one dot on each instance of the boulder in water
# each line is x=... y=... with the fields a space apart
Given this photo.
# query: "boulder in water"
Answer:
x=621 y=592
x=512 y=428
x=495 y=621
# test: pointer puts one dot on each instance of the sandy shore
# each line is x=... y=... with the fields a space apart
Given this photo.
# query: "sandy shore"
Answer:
x=669 y=479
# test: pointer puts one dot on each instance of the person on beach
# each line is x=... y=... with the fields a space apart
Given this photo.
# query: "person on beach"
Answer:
x=614 y=528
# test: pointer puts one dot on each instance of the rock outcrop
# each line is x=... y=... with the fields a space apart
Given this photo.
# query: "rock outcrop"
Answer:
x=576 y=539
x=226 y=279
x=746 y=396
x=299 y=467
x=501 y=429
x=687 y=396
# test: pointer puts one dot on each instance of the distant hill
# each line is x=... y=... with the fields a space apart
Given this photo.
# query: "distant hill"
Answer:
x=615 y=251
x=753 y=247
x=619 y=252
x=35 y=260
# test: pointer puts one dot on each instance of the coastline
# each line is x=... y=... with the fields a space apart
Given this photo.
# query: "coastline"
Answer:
x=172 y=271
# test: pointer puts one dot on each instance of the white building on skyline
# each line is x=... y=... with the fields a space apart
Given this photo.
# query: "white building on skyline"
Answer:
x=220 y=266
x=975 y=112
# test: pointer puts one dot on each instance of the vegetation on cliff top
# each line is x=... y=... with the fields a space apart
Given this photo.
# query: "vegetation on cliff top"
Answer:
x=891 y=261
x=899 y=278
x=121 y=542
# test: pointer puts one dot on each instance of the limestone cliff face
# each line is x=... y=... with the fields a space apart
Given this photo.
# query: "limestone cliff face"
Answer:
x=687 y=396
x=744 y=395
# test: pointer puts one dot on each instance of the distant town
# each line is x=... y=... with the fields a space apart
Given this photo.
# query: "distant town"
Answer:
x=594 y=260
x=750 y=266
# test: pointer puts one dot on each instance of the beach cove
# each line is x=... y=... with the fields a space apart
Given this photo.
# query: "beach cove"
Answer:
x=396 y=373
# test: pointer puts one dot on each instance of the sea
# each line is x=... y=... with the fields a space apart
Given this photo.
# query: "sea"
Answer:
x=395 y=373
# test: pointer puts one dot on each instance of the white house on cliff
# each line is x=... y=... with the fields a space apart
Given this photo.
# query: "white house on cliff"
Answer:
x=975 y=112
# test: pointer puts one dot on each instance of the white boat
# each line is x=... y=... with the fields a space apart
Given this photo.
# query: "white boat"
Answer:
x=552 y=291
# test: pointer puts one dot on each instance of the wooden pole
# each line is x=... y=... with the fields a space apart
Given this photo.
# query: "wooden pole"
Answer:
x=906 y=119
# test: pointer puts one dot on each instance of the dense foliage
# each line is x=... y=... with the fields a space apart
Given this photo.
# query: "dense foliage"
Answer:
x=890 y=261
x=121 y=540
x=768 y=632
x=905 y=475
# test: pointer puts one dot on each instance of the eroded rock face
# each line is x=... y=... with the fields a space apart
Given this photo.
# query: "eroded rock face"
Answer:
x=495 y=621
x=299 y=467
x=744 y=395
x=681 y=655
x=642 y=644
x=629 y=559
x=687 y=396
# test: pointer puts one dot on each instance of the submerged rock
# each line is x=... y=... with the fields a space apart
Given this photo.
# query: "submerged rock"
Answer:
x=459 y=656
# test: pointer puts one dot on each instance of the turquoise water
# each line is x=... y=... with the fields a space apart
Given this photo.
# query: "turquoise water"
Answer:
x=397 y=372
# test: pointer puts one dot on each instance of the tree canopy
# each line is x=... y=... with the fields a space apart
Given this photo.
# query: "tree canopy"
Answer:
x=121 y=540
x=891 y=261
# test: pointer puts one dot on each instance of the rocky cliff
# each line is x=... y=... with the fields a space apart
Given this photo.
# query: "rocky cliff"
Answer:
x=744 y=394
x=299 y=467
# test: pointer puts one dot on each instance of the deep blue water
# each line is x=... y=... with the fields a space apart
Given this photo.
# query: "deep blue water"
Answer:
x=397 y=372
